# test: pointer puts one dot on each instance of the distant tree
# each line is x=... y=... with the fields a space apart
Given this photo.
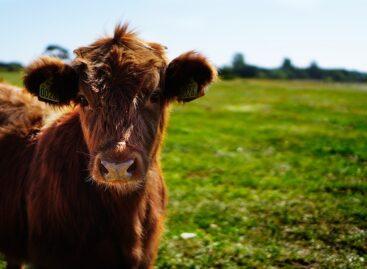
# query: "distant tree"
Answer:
x=57 y=51
x=226 y=72
x=241 y=69
x=287 y=64
x=314 y=71
x=314 y=65
x=288 y=71
x=238 y=62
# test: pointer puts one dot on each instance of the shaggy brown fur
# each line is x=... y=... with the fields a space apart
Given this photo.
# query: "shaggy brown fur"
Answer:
x=19 y=112
x=57 y=210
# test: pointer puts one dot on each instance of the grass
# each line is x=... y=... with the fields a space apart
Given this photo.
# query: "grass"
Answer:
x=268 y=174
x=14 y=78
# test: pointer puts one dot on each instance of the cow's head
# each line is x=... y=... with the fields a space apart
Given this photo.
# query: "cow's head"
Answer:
x=122 y=87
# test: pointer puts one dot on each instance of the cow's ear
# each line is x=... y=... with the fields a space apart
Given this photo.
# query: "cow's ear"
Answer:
x=51 y=80
x=187 y=77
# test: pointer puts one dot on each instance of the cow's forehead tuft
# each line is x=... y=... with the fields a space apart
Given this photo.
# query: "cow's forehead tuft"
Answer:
x=121 y=61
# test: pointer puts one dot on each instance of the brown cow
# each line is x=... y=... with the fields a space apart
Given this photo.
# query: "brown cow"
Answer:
x=86 y=190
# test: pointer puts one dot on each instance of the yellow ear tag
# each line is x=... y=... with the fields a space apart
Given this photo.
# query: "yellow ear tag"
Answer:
x=190 y=90
x=45 y=92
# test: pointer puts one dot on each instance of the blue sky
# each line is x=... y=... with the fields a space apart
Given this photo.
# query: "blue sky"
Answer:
x=331 y=32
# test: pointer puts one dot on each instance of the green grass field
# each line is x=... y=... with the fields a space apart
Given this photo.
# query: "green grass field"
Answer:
x=267 y=174
x=14 y=78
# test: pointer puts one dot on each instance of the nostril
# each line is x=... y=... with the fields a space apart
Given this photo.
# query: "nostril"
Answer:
x=131 y=170
x=103 y=169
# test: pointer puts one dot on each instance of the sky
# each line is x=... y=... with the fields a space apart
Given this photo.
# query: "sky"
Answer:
x=331 y=32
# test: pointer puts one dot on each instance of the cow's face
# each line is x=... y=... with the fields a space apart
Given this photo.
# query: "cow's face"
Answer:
x=121 y=87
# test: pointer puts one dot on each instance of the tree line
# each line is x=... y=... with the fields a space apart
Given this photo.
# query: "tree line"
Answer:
x=239 y=68
x=50 y=50
x=10 y=66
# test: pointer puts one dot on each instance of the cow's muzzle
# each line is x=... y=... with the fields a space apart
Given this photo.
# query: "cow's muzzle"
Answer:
x=120 y=164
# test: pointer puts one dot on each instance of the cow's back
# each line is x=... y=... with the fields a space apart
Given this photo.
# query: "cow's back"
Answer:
x=20 y=112
x=21 y=115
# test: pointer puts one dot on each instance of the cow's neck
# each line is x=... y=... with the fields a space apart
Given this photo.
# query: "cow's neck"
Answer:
x=60 y=166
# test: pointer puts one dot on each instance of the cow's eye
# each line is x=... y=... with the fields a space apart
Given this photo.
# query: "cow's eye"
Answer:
x=155 y=97
x=82 y=100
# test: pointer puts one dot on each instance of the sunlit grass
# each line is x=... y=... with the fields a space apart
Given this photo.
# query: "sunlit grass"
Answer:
x=268 y=174
x=11 y=77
